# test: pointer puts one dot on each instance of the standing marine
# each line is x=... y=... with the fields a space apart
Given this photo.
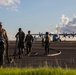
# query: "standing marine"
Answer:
x=47 y=42
x=3 y=44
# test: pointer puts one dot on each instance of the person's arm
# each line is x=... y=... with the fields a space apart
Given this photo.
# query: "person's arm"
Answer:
x=23 y=37
x=6 y=40
x=17 y=35
x=5 y=36
x=26 y=38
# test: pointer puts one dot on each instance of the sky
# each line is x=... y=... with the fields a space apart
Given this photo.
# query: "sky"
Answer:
x=36 y=15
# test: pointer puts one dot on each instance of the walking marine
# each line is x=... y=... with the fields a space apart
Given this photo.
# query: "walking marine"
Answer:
x=29 y=41
x=20 y=37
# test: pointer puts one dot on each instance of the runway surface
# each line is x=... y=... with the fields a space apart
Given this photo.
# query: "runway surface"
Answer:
x=67 y=58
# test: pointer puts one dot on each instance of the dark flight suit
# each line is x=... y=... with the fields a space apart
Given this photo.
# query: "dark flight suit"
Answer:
x=28 y=40
x=47 y=43
x=21 y=37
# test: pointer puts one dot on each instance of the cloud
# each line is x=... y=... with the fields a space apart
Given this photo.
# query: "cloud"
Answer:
x=68 y=25
x=13 y=8
x=10 y=4
x=64 y=19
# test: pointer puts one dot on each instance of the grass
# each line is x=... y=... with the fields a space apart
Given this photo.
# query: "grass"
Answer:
x=37 y=71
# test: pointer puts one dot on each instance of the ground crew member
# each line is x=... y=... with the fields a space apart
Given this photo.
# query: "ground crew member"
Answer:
x=29 y=41
x=20 y=37
x=47 y=42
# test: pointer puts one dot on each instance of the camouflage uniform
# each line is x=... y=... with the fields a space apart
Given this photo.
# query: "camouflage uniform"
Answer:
x=3 y=45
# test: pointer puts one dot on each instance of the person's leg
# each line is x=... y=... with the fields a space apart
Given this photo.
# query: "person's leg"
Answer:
x=27 y=50
x=22 y=48
x=1 y=56
x=45 y=49
x=19 y=50
x=6 y=52
x=30 y=49
x=48 y=49
x=30 y=46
